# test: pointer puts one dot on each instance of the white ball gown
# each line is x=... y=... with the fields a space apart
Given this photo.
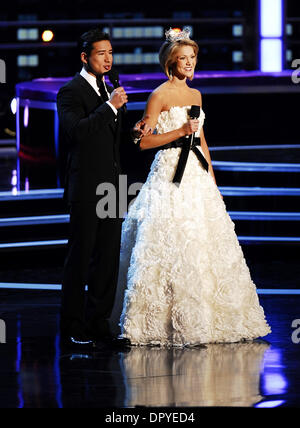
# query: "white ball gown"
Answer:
x=183 y=274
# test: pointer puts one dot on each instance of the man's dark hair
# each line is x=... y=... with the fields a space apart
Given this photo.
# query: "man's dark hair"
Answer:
x=87 y=39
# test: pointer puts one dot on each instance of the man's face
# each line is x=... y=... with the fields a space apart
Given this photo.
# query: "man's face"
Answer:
x=101 y=58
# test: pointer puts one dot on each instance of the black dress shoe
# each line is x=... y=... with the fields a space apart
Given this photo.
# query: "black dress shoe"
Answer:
x=101 y=333
x=115 y=342
x=73 y=334
x=78 y=342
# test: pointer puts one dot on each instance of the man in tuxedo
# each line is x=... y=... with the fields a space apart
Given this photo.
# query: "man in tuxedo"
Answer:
x=90 y=115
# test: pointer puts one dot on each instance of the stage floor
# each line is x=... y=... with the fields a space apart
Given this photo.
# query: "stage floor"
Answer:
x=35 y=373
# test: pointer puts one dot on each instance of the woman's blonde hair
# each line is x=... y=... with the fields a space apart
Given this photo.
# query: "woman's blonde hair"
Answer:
x=168 y=51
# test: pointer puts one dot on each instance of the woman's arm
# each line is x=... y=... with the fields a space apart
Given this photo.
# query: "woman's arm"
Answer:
x=207 y=154
x=153 y=109
x=204 y=145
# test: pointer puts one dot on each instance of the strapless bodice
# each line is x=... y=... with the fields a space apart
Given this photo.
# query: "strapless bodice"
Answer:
x=174 y=118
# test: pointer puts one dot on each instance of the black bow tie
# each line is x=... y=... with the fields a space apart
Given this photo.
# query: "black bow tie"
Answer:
x=102 y=89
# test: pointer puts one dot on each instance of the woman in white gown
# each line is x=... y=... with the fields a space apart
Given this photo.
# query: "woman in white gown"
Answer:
x=187 y=282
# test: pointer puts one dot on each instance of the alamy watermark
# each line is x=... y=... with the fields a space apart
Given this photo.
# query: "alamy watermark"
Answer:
x=2 y=71
x=163 y=201
x=296 y=73
x=114 y=201
x=2 y=331
x=296 y=333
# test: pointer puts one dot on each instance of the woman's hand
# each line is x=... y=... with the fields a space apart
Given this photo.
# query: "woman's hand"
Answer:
x=190 y=127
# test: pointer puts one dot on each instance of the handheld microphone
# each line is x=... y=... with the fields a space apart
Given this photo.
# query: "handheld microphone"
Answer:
x=187 y=146
x=113 y=76
x=194 y=114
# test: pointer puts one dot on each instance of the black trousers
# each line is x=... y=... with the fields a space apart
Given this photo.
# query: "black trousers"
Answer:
x=93 y=260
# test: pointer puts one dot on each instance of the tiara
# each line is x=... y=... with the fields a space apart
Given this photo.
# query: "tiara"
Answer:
x=173 y=35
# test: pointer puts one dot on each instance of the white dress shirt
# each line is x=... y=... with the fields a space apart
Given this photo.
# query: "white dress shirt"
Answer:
x=93 y=82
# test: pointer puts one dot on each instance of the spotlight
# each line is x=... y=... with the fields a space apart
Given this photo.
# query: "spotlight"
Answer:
x=13 y=106
x=271 y=35
x=47 y=36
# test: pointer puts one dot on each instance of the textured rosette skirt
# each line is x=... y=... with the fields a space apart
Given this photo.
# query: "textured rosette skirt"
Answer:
x=183 y=275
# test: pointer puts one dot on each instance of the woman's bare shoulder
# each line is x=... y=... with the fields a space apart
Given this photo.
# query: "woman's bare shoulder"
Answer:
x=161 y=90
x=198 y=96
x=159 y=94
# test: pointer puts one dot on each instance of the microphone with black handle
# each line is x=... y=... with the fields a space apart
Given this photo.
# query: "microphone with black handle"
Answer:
x=113 y=76
x=194 y=114
x=186 y=147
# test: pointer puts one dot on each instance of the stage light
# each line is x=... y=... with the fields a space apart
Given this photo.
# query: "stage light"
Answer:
x=271 y=35
x=271 y=55
x=27 y=34
x=271 y=18
x=237 y=56
x=14 y=182
x=28 y=60
x=47 y=36
x=237 y=30
x=13 y=106
x=136 y=32
x=26 y=116
x=269 y=404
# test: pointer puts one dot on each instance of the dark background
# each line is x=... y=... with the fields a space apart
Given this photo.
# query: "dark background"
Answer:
x=59 y=58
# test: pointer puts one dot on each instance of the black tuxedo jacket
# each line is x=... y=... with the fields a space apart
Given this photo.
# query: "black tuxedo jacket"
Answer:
x=92 y=132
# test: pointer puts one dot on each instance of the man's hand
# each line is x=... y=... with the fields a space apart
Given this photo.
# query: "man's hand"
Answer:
x=141 y=129
x=118 y=97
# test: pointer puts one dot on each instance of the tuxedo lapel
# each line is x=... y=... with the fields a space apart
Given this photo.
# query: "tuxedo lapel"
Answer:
x=94 y=99
x=88 y=89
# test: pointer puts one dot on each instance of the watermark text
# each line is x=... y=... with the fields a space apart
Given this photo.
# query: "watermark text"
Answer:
x=2 y=71
x=296 y=73
x=296 y=332
x=2 y=331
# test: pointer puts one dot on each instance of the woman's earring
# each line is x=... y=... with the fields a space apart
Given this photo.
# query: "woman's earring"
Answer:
x=170 y=74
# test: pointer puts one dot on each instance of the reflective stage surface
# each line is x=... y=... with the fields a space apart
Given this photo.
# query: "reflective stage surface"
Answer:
x=36 y=373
